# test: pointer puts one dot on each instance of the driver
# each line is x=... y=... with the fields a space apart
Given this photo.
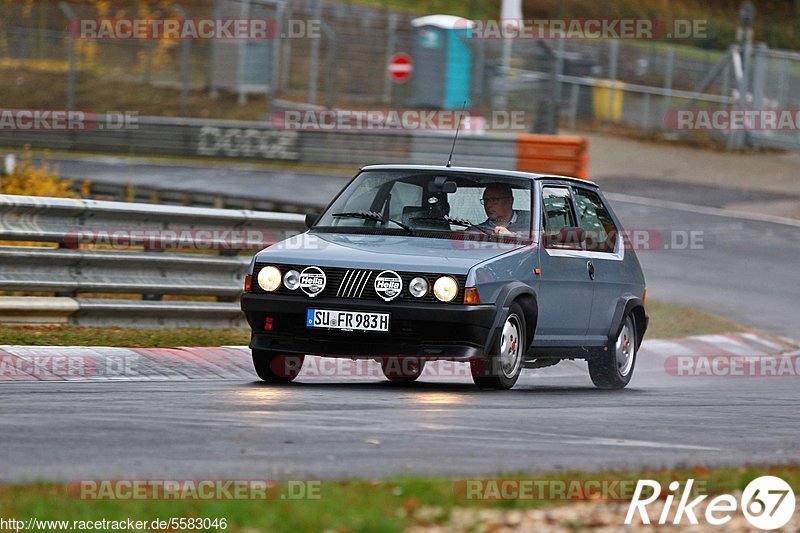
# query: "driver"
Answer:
x=502 y=218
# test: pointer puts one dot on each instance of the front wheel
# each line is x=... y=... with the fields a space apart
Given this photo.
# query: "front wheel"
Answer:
x=274 y=367
x=614 y=370
x=501 y=370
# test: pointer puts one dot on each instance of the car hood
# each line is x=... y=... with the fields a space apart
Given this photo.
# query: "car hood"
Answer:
x=418 y=254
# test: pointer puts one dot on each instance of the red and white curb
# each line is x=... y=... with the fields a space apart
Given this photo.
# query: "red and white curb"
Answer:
x=77 y=363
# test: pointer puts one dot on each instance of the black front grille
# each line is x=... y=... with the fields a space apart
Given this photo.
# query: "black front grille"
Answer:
x=360 y=284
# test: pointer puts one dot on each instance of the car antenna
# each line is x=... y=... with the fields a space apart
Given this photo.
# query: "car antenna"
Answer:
x=458 y=125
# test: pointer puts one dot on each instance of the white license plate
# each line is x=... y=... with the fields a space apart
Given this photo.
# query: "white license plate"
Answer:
x=347 y=320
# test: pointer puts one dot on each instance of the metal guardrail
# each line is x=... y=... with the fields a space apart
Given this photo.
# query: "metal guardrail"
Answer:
x=165 y=136
x=153 y=194
x=141 y=273
x=251 y=140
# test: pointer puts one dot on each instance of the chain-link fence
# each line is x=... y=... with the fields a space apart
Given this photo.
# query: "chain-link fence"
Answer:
x=343 y=64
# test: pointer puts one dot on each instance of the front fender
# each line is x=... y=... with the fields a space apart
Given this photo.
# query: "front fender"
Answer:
x=510 y=292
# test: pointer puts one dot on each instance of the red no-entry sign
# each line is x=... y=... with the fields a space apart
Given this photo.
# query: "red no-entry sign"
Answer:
x=400 y=67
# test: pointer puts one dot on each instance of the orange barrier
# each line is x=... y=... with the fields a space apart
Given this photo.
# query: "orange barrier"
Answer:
x=567 y=155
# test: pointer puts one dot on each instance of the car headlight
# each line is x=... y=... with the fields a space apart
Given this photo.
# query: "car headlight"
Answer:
x=418 y=287
x=269 y=278
x=445 y=288
x=291 y=279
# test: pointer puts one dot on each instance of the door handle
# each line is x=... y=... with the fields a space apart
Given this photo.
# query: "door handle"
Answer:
x=590 y=268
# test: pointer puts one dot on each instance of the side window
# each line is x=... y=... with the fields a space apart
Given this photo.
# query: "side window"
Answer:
x=601 y=233
x=557 y=214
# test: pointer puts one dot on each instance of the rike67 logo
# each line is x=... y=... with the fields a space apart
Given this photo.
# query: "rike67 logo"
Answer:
x=767 y=503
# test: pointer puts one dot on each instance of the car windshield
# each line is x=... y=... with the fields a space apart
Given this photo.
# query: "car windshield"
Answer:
x=431 y=204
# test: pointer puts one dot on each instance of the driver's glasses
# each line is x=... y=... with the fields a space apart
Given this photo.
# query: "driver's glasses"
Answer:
x=495 y=200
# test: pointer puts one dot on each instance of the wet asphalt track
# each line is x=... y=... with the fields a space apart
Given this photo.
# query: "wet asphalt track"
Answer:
x=747 y=271
x=370 y=428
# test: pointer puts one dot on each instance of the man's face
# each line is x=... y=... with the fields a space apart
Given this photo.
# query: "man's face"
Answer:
x=497 y=204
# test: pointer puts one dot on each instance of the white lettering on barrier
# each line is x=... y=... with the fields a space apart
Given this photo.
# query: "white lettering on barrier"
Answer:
x=249 y=142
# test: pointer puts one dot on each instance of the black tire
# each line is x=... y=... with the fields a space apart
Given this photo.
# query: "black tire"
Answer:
x=499 y=372
x=610 y=371
x=402 y=369
x=274 y=367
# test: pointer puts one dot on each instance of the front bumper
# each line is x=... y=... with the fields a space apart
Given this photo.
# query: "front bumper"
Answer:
x=434 y=331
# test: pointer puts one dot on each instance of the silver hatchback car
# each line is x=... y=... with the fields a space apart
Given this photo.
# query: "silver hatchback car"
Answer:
x=505 y=270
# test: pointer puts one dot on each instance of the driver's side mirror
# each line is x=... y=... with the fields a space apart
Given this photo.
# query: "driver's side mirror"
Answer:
x=568 y=237
x=311 y=219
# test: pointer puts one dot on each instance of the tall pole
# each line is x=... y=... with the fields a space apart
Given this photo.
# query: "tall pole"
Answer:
x=314 y=65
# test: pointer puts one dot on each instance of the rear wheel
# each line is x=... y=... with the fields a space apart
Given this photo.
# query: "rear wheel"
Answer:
x=402 y=369
x=615 y=369
x=275 y=367
x=501 y=370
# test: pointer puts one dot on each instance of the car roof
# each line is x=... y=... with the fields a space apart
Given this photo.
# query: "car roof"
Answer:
x=477 y=170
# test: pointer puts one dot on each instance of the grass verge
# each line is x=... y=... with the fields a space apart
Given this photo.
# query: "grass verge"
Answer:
x=666 y=321
x=122 y=337
x=391 y=505
x=672 y=321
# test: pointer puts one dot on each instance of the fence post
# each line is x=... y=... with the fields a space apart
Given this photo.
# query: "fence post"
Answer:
x=646 y=112
x=668 y=82
x=287 y=55
x=480 y=71
x=185 y=55
x=244 y=13
x=759 y=75
x=275 y=54
x=390 y=46
x=67 y=10
x=726 y=80
x=573 y=105
x=148 y=63
x=744 y=87
x=330 y=83
x=212 y=83
x=613 y=59
x=558 y=69
x=783 y=82
x=313 y=72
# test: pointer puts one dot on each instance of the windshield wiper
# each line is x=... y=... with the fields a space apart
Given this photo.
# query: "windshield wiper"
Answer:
x=457 y=221
x=372 y=215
